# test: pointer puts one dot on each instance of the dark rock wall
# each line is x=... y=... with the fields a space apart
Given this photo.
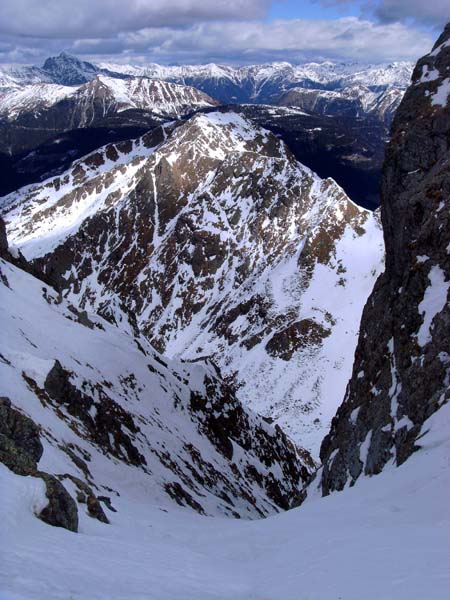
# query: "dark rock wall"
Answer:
x=402 y=365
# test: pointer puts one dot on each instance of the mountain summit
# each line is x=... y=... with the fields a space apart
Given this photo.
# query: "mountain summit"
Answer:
x=66 y=69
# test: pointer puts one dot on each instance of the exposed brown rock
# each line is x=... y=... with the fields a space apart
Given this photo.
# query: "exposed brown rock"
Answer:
x=21 y=429
x=111 y=421
x=298 y=335
x=3 y=238
x=61 y=510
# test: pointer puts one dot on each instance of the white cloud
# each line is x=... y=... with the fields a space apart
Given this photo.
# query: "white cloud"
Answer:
x=346 y=38
x=424 y=12
x=102 y=18
x=197 y=31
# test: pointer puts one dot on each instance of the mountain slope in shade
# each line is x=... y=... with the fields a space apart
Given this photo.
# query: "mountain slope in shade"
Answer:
x=401 y=374
x=348 y=149
x=115 y=418
x=212 y=240
x=33 y=114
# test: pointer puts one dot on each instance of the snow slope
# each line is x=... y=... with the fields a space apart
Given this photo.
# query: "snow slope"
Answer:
x=131 y=422
x=387 y=538
x=17 y=76
x=162 y=97
x=32 y=98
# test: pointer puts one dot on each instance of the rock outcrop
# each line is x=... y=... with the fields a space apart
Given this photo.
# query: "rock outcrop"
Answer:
x=401 y=373
x=21 y=447
x=3 y=238
x=20 y=450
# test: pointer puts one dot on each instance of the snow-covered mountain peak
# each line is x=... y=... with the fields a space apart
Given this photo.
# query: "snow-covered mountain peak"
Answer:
x=140 y=92
x=192 y=150
x=215 y=242
x=216 y=134
x=69 y=69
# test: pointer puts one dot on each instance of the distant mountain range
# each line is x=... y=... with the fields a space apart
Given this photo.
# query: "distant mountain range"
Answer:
x=32 y=114
x=268 y=82
x=334 y=116
x=262 y=84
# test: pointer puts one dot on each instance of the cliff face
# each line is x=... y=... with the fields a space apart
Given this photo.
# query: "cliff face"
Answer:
x=401 y=371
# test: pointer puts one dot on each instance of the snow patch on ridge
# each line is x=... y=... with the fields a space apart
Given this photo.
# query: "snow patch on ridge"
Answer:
x=440 y=96
x=434 y=300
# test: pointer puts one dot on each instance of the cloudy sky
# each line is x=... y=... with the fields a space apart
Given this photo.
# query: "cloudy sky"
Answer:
x=227 y=31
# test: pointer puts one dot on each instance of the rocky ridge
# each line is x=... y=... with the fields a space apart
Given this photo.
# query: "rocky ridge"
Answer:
x=349 y=149
x=65 y=69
